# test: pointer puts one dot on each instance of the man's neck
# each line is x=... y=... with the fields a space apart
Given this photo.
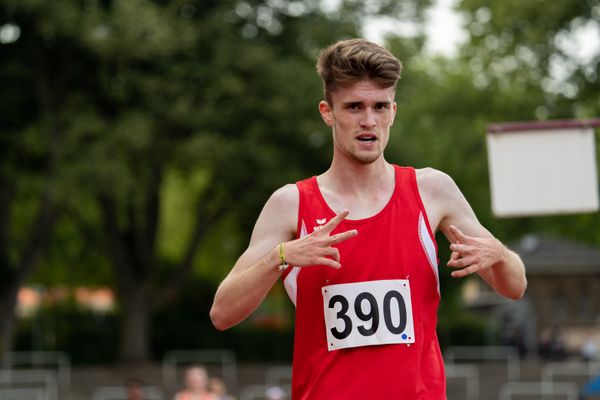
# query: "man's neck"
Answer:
x=355 y=178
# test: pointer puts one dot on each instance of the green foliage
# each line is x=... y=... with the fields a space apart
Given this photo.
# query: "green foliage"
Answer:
x=88 y=337
x=462 y=329
x=212 y=106
x=181 y=324
x=517 y=55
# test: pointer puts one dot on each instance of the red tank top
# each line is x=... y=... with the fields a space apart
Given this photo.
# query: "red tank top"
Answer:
x=395 y=244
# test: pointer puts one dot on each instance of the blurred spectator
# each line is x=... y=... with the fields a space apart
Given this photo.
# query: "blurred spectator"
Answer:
x=514 y=335
x=217 y=386
x=589 y=348
x=552 y=345
x=133 y=389
x=275 y=393
x=592 y=388
x=196 y=385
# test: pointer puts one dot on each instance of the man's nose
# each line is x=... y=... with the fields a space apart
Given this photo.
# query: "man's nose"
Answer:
x=368 y=119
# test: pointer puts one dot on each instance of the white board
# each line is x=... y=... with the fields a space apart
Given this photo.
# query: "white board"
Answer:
x=542 y=168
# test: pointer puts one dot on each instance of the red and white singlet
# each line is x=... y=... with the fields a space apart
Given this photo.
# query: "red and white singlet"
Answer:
x=368 y=330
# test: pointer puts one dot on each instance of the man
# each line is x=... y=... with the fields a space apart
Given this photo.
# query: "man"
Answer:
x=196 y=385
x=364 y=279
x=134 y=390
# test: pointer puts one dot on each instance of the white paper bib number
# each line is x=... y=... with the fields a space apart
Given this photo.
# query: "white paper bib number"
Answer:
x=368 y=313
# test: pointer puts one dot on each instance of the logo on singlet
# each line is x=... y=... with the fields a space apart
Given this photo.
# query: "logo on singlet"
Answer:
x=320 y=223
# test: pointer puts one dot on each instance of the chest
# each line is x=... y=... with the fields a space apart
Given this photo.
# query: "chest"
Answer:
x=360 y=207
x=383 y=249
x=393 y=242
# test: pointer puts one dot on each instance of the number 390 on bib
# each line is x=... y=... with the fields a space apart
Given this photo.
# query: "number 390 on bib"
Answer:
x=368 y=313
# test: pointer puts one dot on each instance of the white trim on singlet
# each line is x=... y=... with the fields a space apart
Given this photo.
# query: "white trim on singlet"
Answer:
x=291 y=280
x=428 y=248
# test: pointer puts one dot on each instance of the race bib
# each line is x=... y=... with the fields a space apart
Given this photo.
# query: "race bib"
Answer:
x=368 y=313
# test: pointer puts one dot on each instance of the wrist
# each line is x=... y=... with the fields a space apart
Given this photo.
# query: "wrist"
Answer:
x=282 y=257
x=273 y=260
x=502 y=255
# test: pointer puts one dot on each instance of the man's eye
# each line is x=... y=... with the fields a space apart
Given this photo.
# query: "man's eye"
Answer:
x=353 y=106
x=382 y=106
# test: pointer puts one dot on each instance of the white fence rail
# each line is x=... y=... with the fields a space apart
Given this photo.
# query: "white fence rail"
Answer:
x=470 y=373
x=22 y=394
x=34 y=381
x=487 y=353
x=553 y=370
x=55 y=360
x=539 y=390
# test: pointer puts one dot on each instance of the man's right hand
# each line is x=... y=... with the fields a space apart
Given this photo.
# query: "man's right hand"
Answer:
x=316 y=247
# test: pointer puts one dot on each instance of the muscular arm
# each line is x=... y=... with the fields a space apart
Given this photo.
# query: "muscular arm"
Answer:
x=256 y=270
x=474 y=248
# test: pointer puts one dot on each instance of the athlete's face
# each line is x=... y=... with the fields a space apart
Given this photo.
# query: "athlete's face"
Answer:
x=360 y=116
x=196 y=379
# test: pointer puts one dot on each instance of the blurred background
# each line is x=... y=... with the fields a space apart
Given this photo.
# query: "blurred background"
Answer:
x=139 y=140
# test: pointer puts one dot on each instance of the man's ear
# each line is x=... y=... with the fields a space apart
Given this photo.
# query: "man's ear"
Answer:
x=394 y=108
x=326 y=112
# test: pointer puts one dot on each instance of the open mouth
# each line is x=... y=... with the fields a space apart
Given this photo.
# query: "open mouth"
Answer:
x=367 y=138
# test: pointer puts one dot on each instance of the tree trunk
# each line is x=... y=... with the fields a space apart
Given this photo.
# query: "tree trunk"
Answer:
x=13 y=276
x=8 y=301
x=132 y=250
x=135 y=338
x=131 y=270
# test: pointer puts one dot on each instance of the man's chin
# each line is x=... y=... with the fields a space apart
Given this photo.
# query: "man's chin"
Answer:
x=366 y=158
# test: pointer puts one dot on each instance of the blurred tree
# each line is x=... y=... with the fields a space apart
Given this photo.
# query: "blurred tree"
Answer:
x=521 y=62
x=518 y=64
x=543 y=59
x=161 y=127
x=29 y=153
x=20 y=246
x=142 y=93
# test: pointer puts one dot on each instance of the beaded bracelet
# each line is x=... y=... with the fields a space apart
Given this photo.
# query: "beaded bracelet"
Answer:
x=283 y=265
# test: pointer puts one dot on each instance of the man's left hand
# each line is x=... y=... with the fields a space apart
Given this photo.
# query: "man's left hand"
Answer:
x=473 y=254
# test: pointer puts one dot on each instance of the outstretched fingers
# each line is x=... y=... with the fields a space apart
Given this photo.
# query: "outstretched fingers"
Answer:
x=328 y=262
x=454 y=256
x=460 y=249
x=461 y=273
x=340 y=237
x=335 y=221
x=461 y=262
x=321 y=243
x=459 y=235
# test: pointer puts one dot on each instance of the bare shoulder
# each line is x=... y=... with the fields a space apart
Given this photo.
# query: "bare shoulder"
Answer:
x=285 y=194
x=276 y=223
x=433 y=182
x=283 y=203
x=432 y=175
x=439 y=194
x=279 y=215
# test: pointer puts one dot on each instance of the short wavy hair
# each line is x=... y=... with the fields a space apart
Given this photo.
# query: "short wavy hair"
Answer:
x=349 y=61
